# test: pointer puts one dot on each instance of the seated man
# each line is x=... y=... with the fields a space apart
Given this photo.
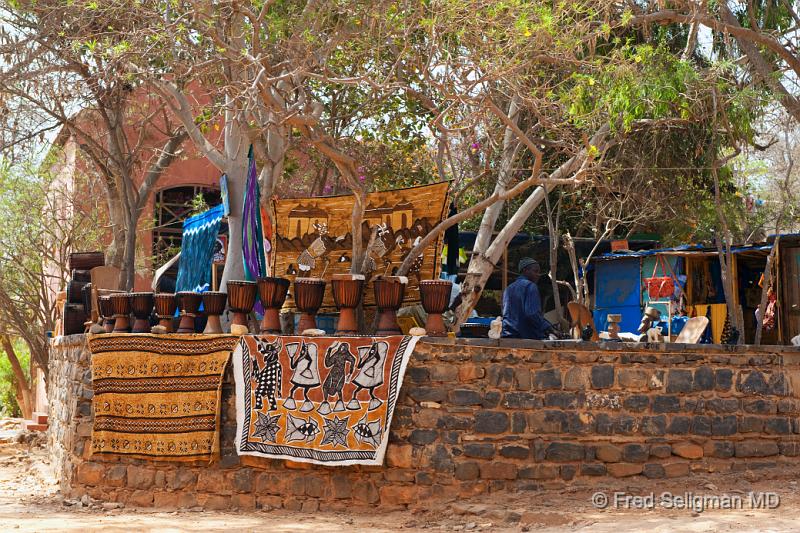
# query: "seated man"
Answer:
x=522 y=305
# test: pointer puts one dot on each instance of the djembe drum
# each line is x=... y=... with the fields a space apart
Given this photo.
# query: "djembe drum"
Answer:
x=121 y=307
x=165 y=309
x=214 y=305
x=435 y=295
x=142 y=306
x=308 y=295
x=389 y=292
x=272 y=292
x=107 y=313
x=189 y=303
x=241 y=299
x=347 y=290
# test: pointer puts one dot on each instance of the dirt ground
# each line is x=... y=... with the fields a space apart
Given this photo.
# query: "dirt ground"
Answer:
x=29 y=501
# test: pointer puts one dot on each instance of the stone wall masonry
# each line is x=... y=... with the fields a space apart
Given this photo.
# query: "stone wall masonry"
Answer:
x=478 y=416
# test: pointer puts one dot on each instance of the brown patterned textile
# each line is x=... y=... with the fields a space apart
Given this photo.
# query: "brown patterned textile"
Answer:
x=313 y=237
x=158 y=396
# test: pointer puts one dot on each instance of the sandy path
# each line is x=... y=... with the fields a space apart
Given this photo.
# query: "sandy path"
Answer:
x=29 y=501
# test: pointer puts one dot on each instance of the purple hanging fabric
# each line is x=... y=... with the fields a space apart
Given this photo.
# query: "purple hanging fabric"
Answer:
x=252 y=233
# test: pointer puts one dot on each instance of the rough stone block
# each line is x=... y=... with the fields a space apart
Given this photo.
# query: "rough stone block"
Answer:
x=243 y=502
x=563 y=399
x=400 y=455
x=398 y=494
x=470 y=372
x=575 y=379
x=703 y=379
x=654 y=426
x=723 y=379
x=465 y=397
x=661 y=451
x=522 y=400
x=635 y=453
x=723 y=425
x=719 y=449
x=701 y=425
x=365 y=491
x=633 y=378
x=539 y=472
x=515 y=451
x=679 y=380
x=422 y=437
x=666 y=404
x=636 y=403
x=752 y=382
x=181 y=478
x=443 y=372
x=564 y=451
x=208 y=480
x=593 y=469
x=760 y=406
x=467 y=471
x=546 y=379
x=544 y=422
x=519 y=422
x=427 y=394
x=687 y=450
x=116 y=475
x=498 y=470
x=602 y=376
x=624 y=469
x=723 y=405
x=778 y=426
x=751 y=424
x=491 y=422
x=679 y=425
x=625 y=425
x=481 y=450
x=90 y=473
x=676 y=469
x=608 y=453
x=756 y=448
x=654 y=471
x=141 y=498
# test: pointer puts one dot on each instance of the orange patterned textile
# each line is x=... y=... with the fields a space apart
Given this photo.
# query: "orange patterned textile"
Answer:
x=158 y=396
x=323 y=400
x=313 y=237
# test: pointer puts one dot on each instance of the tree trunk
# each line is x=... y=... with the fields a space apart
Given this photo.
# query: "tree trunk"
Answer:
x=482 y=265
x=23 y=386
x=510 y=148
x=234 y=260
x=765 y=289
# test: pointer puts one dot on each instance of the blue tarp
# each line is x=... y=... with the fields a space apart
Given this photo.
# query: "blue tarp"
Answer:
x=618 y=291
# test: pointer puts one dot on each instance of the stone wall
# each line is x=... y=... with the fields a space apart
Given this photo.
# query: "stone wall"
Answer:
x=69 y=396
x=477 y=416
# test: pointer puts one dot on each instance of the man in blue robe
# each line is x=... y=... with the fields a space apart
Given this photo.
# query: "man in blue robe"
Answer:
x=522 y=305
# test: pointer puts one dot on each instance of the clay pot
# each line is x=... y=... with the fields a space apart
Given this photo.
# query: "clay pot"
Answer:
x=241 y=299
x=347 y=290
x=435 y=295
x=308 y=295
x=107 y=313
x=272 y=292
x=389 y=292
x=165 y=309
x=214 y=305
x=121 y=306
x=189 y=303
x=142 y=306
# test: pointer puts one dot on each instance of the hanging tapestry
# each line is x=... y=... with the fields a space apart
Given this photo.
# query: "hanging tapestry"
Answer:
x=158 y=396
x=313 y=237
x=197 y=249
x=252 y=233
x=323 y=400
